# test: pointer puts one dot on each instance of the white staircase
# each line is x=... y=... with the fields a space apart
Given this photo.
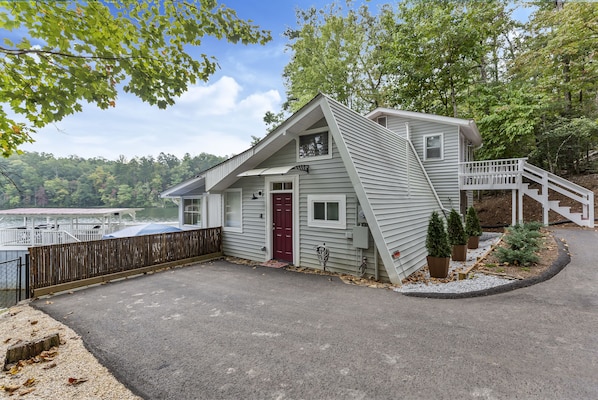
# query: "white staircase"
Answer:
x=518 y=175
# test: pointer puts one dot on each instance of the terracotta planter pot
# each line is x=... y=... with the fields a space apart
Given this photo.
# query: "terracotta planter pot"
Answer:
x=438 y=266
x=459 y=252
x=473 y=242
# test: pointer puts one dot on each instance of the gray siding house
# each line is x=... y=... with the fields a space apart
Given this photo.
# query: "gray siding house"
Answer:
x=363 y=187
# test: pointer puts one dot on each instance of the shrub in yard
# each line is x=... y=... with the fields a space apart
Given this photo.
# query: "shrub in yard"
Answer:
x=437 y=240
x=522 y=243
x=455 y=230
x=472 y=223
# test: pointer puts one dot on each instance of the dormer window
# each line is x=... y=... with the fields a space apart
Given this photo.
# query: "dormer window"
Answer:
x=315 y=144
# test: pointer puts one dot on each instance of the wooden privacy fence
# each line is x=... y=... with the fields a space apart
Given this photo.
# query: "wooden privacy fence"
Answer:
x=64 y=266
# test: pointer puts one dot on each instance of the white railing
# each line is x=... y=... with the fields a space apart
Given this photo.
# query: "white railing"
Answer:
x=550 y=181
x=491 y=174
x=28 y=237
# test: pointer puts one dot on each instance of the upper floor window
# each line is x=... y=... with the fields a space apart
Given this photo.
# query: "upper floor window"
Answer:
x=192 y=211
x=433 y=147
x=313 y=146
x=381 y=121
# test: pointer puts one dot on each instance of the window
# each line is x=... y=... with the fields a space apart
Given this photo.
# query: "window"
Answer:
x=433 y=147
x=232 y=210
x=327 y=211
x=282 y=186
x=314 y=145
x=192 y=211
x=381 y=121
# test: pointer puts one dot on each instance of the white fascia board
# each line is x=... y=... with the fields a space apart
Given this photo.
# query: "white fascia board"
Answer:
x=468 y=126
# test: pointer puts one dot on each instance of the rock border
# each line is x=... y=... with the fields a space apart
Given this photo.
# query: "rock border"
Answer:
x=562 y=260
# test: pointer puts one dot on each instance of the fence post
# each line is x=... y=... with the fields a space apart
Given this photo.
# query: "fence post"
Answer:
x=27 y=270
x=19 y=279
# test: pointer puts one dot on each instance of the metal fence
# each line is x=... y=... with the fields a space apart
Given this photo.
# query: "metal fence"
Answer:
x=13 y=282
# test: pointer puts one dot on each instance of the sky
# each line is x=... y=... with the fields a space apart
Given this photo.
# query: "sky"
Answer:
x=217 y=117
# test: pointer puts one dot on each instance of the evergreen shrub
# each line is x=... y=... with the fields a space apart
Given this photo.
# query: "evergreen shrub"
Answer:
x=437 y=239
x=456 y=232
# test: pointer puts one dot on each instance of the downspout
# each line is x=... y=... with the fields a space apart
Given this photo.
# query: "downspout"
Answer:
x=428 y=180
x=376 y=276
x=408 y=137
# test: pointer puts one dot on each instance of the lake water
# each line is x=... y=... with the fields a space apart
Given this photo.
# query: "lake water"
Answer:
x=167 y=216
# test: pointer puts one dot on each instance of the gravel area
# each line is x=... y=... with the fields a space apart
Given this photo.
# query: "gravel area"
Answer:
x=66 y=372
x=477 y=280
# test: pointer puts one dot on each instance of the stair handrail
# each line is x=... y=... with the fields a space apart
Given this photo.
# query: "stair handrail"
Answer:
x=565 y=187
x=534 y=173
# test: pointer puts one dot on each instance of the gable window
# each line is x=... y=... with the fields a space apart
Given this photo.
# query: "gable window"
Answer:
x=433 y=149
x=232 y=210
x=327 y=211
x=192 y=211
x=313 y=146
x=381 y=121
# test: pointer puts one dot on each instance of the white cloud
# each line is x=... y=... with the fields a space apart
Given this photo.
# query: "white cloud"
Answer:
x=212 y=118
x=216 y=99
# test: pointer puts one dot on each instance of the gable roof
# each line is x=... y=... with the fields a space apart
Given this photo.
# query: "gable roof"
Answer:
x=391 y=184
x=467 y=126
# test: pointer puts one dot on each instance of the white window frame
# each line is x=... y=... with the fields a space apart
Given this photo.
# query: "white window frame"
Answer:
x=201 y=211
x=425 y=147
x=341 y=199
x=238 y=229
x=312 y=132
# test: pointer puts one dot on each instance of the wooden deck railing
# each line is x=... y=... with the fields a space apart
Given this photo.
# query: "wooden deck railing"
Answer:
x=60 y=264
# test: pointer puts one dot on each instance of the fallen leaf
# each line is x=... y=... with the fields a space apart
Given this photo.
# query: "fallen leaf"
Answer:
x=77 y=381
x=7 y=340
x=33 y=322
x=14 y=370
x=29 y=382
x=11 y=388
x=26 y=391
x=49 y=366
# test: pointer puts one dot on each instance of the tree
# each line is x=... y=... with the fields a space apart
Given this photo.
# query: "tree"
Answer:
x=78 y=51
x=438 y=52
x=335 y=54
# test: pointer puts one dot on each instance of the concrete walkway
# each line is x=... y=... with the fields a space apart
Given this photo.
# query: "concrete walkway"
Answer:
x=223 y=331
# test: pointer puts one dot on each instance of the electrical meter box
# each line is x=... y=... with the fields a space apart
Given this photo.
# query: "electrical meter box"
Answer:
x=361 y=237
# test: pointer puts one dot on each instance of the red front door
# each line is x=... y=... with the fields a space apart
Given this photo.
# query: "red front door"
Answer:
x=282 y=221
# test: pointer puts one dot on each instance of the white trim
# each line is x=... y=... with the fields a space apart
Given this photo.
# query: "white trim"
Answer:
x=238 y=229
x=267 y=171
x=341 y=199
x=312 y=132
x=468 y=126
x=294 y=179
x=425 y=148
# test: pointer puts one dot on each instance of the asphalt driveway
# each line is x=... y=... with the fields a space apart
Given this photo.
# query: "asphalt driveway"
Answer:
x=224 y=331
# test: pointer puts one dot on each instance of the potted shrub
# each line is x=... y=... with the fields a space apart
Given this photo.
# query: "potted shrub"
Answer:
x=472 y=228
x=439 y=250
x=457 y=236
